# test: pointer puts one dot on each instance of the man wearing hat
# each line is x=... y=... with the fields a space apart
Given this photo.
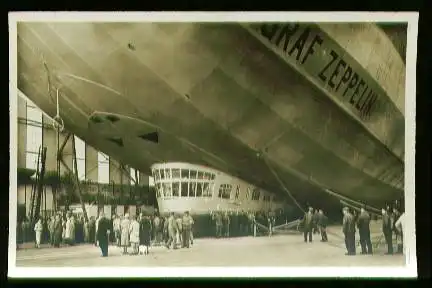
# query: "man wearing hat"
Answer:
x=103 y=233
x=387 y=230
x=171 y=225
x=349 y=230
x=308 y=225
x=124 y=233
x=187 y=226
x=363 y=224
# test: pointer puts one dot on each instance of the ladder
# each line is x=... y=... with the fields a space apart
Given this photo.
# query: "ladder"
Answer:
x=33 y=190
x=37 y=188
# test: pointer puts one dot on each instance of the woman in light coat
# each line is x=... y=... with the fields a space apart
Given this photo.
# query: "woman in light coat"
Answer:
x=70 y=230
x=38 y=230
x=124 y=229
x=134 y=230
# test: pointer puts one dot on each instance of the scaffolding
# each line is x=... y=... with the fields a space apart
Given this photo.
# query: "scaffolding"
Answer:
x=37 y=187
x=73 y=171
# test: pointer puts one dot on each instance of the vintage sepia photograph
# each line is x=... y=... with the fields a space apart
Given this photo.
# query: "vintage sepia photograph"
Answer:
x=212 y=144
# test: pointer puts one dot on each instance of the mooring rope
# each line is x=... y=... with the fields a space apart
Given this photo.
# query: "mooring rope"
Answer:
x=283 y=185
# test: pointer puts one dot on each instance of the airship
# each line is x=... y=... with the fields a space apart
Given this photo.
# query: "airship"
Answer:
x=309 y=111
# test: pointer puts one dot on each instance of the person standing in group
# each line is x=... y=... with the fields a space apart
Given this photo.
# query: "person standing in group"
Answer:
x=79 y=229
x=124 y=236
x=179 y=231
x=92 y=229
x=191 y=235
x=308 y=225
x=22 y=230
x=363 y=224
x=399 y=226
x=145 y=233
x=252 y=222
x=134 y=233
x=349 y=231
x=186 y=226
x=226 y=224
x=96 y=228
x=51 y=228
x=112 y=238
x=64 y=221
x=38 y=231
x=235 y=224
x=102 y=234
x=73 y=230
x=172 y=228
x=86 y=231
x=58 y=231
x=394 y=217
x=157 y=228
x=165 y=234
x=116 y=228
x=322 y=225
x=219 y=223
x=387 y=231
x=315 y=219
x=69 y=235
x=271 y=217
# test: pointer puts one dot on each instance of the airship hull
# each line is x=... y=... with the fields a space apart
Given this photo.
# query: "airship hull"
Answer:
x=218 y=95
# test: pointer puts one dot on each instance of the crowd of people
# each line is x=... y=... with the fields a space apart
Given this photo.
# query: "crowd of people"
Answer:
x=241 y=223
x=135 y=234
x=315 y=221
x=173 y=230
x=61 y=228
x=392 y=225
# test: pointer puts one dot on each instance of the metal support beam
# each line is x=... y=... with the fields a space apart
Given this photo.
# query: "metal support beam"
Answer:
x=40 y=183
x=123 y=169
x=354 y=202
x=60 y=150
x=77 y=179
x=357 y=208
x=57 y=187
x=34 y=188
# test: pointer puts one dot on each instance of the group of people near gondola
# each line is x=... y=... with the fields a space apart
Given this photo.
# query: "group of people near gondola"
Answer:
x=128 y=231
x=392 y=225
x=61 y=228
x=134 y=235
x=315 y=221
x=229 y=224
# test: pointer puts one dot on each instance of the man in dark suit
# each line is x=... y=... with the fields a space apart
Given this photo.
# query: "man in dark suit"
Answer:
x=103 y=234
x=363 y=223
x=349 y=231
x=322 y=225
x=387 y=231
x=308 y=225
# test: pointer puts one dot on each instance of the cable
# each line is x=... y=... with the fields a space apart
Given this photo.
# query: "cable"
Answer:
x=282 y=184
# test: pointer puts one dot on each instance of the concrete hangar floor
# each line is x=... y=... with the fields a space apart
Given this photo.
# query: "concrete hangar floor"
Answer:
x=279 y=250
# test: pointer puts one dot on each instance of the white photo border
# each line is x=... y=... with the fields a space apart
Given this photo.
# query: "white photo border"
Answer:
x=410 y=269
